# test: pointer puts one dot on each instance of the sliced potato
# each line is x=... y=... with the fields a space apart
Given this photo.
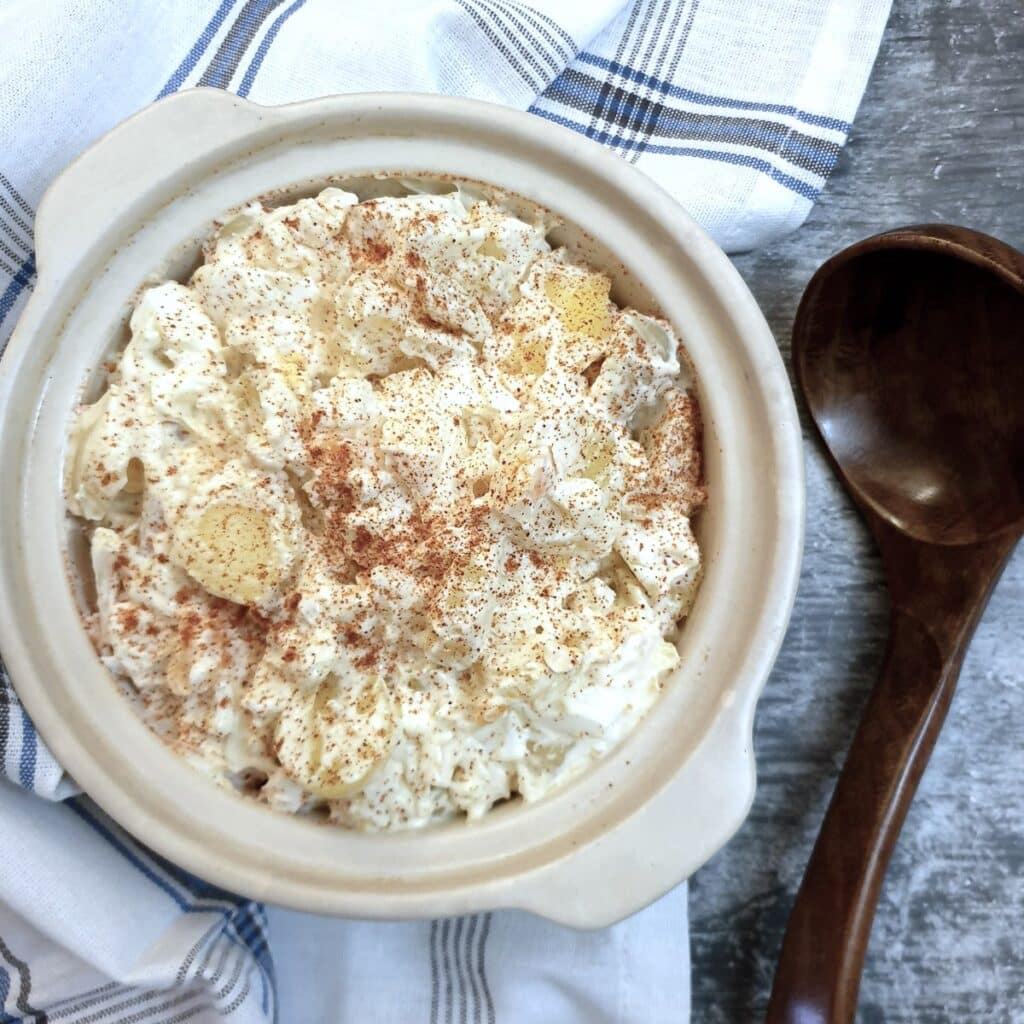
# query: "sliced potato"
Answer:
x=295 y=368
x=480 y=695
x=581 y=303
x=86 y=496
x=247 y=394
x=598 y=454
x=526 y=357
x=229 y=550
x=460 y=588
x=179 y=666
x=490 y=246
x=331 y=741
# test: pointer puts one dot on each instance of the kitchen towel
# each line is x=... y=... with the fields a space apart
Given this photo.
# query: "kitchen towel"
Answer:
x=738 y=108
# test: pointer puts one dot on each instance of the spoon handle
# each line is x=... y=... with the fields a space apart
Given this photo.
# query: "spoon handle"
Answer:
x=818 y=975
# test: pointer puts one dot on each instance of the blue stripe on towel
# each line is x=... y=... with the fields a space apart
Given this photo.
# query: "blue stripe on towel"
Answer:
x=27 y=763
x=192 y=58
x=581 y=91
x=265 y=44
x=21 y=280
x=801 y=188
x=5 y=988
x=238 y=913
x=706 y=99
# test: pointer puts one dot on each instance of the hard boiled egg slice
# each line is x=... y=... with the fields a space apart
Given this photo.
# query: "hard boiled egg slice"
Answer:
x=333 y=739
x=229 y=549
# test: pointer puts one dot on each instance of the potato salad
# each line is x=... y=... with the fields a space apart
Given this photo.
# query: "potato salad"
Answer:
x=389 y=508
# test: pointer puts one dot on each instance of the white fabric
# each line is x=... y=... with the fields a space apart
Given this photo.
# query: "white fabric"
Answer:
x=638 y=970
x=737 y=107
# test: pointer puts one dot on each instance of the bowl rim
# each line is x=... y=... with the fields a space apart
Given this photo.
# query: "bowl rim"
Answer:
x=532 y=887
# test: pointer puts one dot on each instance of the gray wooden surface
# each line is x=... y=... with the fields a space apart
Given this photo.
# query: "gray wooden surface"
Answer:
x=939 y=137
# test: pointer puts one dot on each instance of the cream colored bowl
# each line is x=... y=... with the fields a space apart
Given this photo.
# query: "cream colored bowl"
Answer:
x=137 y=205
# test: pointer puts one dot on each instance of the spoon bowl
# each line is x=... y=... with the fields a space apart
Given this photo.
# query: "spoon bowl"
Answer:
x=909 y=351
x=911 y=359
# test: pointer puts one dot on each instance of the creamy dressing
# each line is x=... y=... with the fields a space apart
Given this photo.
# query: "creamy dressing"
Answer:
x=389 y=509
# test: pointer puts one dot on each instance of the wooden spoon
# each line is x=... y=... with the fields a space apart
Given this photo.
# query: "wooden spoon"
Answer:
x=909 y=350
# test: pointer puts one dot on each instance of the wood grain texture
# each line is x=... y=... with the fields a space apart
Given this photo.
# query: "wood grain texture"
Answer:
x=939 y=137
x=907 y=350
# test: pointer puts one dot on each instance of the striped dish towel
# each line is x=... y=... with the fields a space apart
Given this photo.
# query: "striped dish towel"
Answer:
x=737 y=107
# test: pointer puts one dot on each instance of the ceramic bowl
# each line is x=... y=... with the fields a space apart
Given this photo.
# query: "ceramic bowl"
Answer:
x=135 y=207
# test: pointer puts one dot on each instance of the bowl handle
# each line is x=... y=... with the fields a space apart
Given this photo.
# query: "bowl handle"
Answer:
x=98 y=187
